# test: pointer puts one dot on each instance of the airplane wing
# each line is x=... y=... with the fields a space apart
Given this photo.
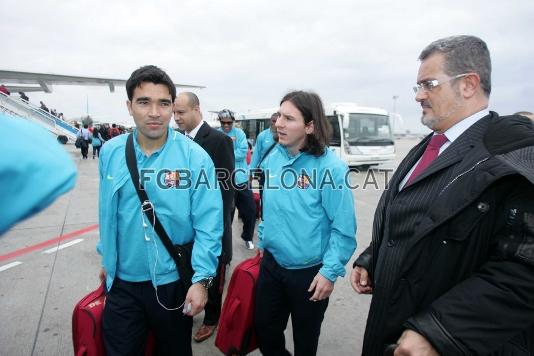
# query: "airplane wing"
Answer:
x=44 y=81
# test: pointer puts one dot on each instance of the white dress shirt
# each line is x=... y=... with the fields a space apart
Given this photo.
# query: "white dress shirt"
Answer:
x=193 y=133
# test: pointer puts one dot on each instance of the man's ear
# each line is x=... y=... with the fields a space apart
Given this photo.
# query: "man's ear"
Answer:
x=470 y=85
x=309 y=128
x=129 y=106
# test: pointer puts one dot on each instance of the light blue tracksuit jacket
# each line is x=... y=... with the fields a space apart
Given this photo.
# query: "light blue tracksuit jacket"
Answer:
x=308 y=212
x=188 y=208
x=240 y=152
x=264 y=140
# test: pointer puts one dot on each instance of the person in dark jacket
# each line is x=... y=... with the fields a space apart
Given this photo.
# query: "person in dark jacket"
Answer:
x=44 y=107
x=23 y=96
x=220 y=148
x=451 y=262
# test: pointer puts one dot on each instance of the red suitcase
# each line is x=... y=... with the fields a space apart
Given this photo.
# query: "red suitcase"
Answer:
x=87 y=336
x=86 y=324
x=235 y=332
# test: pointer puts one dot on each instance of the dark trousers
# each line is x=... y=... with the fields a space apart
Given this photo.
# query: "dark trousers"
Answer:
x=212 y=310
x=85 y=149
x=244 y=202
x=281 y=292
x=132 y=310
x=96 y=151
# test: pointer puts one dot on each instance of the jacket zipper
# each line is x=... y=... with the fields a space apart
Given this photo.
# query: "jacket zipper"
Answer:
x=462 y=174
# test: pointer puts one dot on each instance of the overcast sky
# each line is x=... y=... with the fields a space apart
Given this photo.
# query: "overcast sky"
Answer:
x=250 y=53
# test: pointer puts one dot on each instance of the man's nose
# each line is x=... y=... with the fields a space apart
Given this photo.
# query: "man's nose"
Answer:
x=421 y=95
x=153 y=110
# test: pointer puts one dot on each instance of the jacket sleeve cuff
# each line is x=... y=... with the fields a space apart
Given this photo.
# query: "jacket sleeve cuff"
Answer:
x=328 y=275
x=428 y=325
x=364 y=260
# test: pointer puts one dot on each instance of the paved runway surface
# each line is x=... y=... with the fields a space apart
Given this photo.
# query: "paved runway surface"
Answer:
x=47 y=263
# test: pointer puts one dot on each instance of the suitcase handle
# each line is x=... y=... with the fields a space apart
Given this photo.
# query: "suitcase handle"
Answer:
x=232 y=311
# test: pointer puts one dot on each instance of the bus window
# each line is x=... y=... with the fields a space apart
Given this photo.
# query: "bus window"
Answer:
x=253 y=127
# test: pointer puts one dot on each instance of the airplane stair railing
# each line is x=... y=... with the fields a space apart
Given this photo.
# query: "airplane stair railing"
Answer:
x=26 y=110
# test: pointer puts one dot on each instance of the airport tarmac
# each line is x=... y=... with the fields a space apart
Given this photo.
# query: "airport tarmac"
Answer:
x=49 y=262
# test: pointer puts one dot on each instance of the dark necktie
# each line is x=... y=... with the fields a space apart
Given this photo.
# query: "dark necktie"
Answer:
x=430 y=154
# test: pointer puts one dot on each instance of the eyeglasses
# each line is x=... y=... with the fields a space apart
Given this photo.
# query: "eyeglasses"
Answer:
x=429 y=85
x=224 y=114
x=225 y=123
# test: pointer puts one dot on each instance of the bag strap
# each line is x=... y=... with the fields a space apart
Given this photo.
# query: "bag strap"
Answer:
x=146 y=205
x=261 y=179
x=267 y=153
x=257 y=169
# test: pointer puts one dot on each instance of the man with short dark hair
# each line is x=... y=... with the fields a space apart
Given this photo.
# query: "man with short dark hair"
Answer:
x=451 y=262
x=188 y=117
x=144 y=289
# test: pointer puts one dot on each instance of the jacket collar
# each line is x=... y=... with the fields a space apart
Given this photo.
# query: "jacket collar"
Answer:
x=202 y=133
x=457 y=150
x=193 y=133
x=465 y=187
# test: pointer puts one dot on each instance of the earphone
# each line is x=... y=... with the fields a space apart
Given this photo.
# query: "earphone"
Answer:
x=146 y=206
x=145 y=225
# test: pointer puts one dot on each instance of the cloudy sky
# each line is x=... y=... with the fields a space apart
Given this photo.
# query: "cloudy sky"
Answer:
x=250 y=53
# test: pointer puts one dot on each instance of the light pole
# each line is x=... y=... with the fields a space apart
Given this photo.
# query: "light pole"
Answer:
x=395 y=97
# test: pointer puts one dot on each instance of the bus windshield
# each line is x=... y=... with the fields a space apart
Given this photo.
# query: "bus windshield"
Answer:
x=368 y=130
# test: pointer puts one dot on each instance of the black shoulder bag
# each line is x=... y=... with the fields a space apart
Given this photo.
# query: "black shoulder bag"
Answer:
x=181 y=254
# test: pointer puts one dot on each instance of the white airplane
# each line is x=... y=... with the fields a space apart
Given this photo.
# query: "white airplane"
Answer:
x=45 y=81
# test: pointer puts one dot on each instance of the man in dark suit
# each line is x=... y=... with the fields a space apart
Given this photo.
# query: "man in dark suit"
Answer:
x=451 y=262
x=219 y=146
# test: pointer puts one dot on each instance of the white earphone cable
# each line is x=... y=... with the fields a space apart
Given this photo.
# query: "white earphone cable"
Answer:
x=157 y=252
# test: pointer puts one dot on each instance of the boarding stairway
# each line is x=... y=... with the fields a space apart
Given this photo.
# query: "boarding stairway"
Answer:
x=17 y=107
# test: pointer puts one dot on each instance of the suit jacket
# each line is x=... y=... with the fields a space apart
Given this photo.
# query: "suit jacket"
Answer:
x=221 y=150
x=441 y=260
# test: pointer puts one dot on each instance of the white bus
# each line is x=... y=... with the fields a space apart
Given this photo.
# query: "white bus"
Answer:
x=362 y=136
